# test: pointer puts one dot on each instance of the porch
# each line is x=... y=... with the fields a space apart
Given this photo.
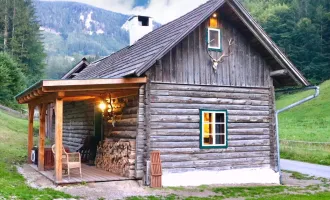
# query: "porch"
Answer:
x=59 y=91
x=91 y=174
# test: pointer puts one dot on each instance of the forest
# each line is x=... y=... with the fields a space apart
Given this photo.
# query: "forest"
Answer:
x=301 y=28
x=21 y=49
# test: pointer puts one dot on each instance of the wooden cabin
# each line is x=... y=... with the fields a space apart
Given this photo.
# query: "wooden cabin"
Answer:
x=199 y=89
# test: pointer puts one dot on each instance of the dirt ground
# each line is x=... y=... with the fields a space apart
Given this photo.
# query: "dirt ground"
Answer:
x=124 y=189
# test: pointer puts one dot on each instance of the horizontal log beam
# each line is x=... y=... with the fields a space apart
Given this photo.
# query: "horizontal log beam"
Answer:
x=281 y=72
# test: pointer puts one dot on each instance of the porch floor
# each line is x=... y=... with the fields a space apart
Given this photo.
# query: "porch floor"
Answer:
x=89 y=174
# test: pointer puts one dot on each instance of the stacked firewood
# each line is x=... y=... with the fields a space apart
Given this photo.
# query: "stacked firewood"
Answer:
x=117 y=156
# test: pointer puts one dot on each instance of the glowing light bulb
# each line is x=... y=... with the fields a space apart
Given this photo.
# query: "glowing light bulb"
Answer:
x=102 y=106
x=215 y=15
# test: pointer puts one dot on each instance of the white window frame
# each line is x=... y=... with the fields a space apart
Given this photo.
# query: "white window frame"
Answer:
x=208 y=39
x=225 y=145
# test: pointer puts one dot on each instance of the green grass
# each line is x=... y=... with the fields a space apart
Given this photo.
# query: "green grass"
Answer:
x=13 y=137
x=309 y=122
x=317 y=196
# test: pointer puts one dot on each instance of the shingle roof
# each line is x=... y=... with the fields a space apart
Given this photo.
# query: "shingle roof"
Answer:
x=144 y=53
x=136 y=59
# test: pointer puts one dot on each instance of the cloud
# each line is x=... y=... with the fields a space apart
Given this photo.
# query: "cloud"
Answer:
x=167 y=10
x=162 y=11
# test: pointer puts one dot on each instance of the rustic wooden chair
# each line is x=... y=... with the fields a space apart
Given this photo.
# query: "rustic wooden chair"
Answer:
x=69 y=160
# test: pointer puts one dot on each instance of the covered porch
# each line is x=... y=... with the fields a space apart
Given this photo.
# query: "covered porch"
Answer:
x=91 y=174
x=45 y=92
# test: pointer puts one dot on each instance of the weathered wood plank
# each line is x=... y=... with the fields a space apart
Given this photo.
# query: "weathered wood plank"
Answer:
x=196 y=119
x=166 y=151
x=30 y=133
x=203 y=88
x=212 y=156
x=58 y=138
x=231 y=95
x=196 y=100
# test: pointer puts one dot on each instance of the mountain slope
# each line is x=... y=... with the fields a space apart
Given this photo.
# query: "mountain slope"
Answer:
x=71 y=28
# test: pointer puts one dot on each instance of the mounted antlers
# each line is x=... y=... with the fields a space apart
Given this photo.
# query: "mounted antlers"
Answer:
x=221 y=59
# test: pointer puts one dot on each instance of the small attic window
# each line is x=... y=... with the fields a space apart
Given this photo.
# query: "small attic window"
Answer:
x=143 y=21
x=214 y=39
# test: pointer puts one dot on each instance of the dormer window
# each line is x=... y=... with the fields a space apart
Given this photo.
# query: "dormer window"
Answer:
x=214 y=39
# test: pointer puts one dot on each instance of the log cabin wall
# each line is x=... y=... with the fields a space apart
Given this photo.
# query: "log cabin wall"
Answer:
x=175 y=131
x=78 y=122
x=183 y=81
x=117 y=153
x=141 y=135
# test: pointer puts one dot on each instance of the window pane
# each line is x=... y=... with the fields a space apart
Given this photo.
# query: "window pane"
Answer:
x=219 y=139
x=220 y=117
x=208 y=140
x=219 y=128
x=214 y=38
x=207 y=117
x=208 y=128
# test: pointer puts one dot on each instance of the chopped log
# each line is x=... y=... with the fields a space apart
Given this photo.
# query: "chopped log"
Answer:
x=117 y=156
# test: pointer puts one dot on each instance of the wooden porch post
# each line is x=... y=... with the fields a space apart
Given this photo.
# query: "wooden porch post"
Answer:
x=58 y=138
x=30 y=132
x=42 y=130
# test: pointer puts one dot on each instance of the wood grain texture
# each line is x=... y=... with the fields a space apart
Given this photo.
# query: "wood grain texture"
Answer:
x=58 y=138
x=189 y=63
x=42 y=137
x=30 y=132
x=175 y=129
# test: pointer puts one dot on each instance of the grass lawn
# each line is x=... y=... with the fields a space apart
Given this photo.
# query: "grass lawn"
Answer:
x=249 y=193
x=13 y=137
x=309 y=122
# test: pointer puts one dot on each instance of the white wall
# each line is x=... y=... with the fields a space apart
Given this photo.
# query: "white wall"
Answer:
x=235 y=176
x=137 y=31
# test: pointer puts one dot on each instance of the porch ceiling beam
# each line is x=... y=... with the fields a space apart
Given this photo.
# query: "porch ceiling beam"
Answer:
x=78 y=98
x=90 y=88
x=95 y=82
x=38 y=90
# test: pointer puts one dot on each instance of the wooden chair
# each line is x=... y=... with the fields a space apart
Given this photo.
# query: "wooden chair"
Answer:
x=69 y=160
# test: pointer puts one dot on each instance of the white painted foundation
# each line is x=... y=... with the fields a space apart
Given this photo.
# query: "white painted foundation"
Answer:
x=235 y=176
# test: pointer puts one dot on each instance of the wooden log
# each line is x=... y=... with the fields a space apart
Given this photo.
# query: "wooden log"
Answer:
x=177 y=151
x=247 y=96
x=195 y=144
x=196 y=119
x=58 y=138
x=42 y=137
x=281 y=72
x=216 y=163
x=30 y=132
x=183 y=125
x=212 y=156
x=177 y=87
x=123 y=134
x=170 y=111
x=196 y=100
x=209 y=106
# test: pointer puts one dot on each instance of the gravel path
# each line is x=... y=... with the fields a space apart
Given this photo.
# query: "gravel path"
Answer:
x=306 y=168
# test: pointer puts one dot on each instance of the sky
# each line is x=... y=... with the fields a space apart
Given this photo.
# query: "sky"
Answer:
x=162 y=11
